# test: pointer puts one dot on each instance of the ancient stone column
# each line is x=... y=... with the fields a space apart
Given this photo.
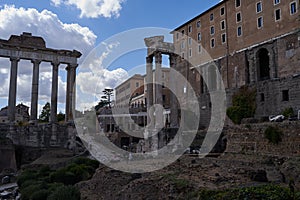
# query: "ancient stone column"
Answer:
x=149 y=82
x=173 y=99
x=34 y=90
x=12 y=89
x=70 y=95
x=158 y=89
x=53 y=113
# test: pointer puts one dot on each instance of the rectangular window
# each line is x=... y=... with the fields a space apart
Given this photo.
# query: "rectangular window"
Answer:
x=182 y=55
x=137 y=84
x=293 y=8
x=238 y=17
x=276 y=2
x=198 y=24
x=182 y=32
x=262 y=97
x=199 y=48
x=223 y=25
x=277 y=15
x=285 y=95
x=239 y=31
x=190 y=52
x=258 y=7
x=237 y=3
x=212 y=30
x=190 y=41
x=223 y=37
x=177 y=36
x=199 y=37
x=211 y=17
x=259 y=22
x=212 y=43
x=182 y=45
x=190 y=29
x=222 y=11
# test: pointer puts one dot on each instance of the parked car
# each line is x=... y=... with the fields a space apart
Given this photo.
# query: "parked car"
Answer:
x=276 y=118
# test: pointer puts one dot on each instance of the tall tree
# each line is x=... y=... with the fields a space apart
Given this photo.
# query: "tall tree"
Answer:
x=45 y=114
x=108 y=92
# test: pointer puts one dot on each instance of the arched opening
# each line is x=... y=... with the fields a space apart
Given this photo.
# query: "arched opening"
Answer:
x=263 y=64
x=212 y=78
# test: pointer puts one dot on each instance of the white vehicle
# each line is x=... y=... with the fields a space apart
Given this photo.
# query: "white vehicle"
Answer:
x=276 y=118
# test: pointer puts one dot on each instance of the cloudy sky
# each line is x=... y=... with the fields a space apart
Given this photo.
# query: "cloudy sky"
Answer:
x=85 y=25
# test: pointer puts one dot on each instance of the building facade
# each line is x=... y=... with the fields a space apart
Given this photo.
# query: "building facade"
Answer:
x=125 y=90
x=254 y=43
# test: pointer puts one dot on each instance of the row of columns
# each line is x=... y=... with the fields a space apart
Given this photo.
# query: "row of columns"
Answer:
x=156 y=98
x=70 y=93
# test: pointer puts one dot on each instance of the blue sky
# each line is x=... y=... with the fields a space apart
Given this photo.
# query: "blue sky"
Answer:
x=83 y=25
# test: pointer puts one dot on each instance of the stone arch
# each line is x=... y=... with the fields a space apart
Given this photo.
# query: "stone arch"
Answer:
x=212 y=78
x=263 y=64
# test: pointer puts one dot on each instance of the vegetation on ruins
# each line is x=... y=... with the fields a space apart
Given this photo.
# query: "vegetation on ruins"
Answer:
x=45 y=114
x=105 y=99
x=263 y=192
x=288 y=112
x=273 y=134
x=48 y=184
x=243 y=105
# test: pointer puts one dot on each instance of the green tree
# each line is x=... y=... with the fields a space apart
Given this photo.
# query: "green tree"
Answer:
x=243 y=105
x=105 y=100
x=45 y=114
x=60 y=117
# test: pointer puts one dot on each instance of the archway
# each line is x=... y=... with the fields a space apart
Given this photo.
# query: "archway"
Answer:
x=263 y=64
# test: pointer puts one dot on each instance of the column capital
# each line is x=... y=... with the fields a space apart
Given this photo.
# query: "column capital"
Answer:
x=149 y=59
x=36 y=61
x=71 y=65
x=158 y=57
x=15 y=59
x=55 y=63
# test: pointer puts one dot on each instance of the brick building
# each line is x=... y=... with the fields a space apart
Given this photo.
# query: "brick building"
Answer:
x=253 y=43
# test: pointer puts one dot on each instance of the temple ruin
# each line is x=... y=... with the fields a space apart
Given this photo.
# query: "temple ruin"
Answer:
x=33 y=48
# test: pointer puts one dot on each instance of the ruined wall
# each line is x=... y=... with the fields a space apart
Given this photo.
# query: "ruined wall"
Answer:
x=43 y=135
x=7 y=154
x=250 y=139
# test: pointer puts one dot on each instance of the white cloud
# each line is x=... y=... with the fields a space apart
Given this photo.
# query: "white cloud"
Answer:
x=94 y=8
x=91 y=82
x=46 y=24
x=58 y=35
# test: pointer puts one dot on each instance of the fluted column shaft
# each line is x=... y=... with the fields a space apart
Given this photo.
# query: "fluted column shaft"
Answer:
x=53 y=113
x=35 y=90
x=13 y=89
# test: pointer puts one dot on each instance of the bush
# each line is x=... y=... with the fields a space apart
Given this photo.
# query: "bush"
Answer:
x=264 y=192
x=273 y=134
x=26 y=175
x=243 y=105
x=65 y=193
x=288 y=112
x=40 y=195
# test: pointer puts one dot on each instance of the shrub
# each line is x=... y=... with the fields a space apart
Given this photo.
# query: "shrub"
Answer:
x=273 y=134
x=264 y=192
x=26 y=175
x=65 y=193
x=243 y=105
x=40 y=195
x=288 y=112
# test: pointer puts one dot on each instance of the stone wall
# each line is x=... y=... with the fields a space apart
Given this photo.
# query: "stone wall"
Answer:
x=250 y=139
x=7 y=154
x=42 y=135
